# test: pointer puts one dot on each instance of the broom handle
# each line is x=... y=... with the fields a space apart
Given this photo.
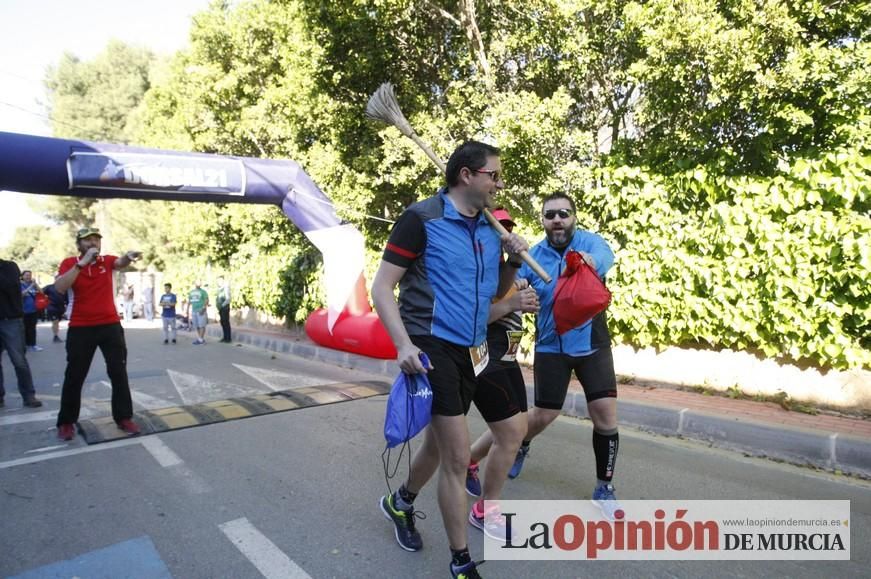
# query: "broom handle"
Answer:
x=524 y=255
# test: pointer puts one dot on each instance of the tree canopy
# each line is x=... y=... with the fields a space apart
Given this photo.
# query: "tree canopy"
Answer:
x=721 y=146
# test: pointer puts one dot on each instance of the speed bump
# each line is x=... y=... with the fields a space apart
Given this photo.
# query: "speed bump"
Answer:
x=104 y=429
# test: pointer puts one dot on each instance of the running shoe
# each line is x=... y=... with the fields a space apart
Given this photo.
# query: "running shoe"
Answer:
x=606 y=500
x=492 y=522
x=518 y=462
x=467 y=571
x=403 y=524
x=473 y=483
x=66 y=431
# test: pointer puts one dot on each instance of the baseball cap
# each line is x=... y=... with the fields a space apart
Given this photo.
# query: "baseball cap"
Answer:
x=87 y=232
x=502 y=215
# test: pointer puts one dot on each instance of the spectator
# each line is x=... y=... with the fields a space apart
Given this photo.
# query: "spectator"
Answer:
x=12 y=333
x=128 y=303
x=223 y=303
x=148 y=302
x=167 y=304
x=29 y=289
x=198 y=301
x=57 y=305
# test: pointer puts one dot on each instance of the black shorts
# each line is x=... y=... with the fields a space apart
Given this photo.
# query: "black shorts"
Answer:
x=554 y=371
x=501 y=391
x=452 y=378
x=54 y=315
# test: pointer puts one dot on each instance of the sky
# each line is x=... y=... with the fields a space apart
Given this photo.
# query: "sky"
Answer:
x=35 y=34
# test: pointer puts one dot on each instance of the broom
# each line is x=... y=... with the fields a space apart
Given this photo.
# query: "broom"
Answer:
x=384 y=107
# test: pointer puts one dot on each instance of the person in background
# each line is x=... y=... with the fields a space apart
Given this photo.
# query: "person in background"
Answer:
x=198 y=301
x=29 y=289
x=223 y=303
x=167 y=313
x=148 y=302
x=57 y=305
x=128 y=303
x=12 y=333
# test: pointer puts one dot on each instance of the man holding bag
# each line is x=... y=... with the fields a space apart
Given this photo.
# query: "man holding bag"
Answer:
x=445 y=257
x=584 y=350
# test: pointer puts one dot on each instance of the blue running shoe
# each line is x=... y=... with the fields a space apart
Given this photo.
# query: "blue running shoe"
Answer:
x=403 y=522
x=473 y=483
x=518 y=462
x=467 y=571
x=606 y=500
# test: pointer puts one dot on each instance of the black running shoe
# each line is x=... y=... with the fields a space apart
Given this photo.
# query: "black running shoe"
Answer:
x=467 y=571
x=403 y=523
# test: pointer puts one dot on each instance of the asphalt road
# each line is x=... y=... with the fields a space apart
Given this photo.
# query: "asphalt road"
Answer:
x=295 y=494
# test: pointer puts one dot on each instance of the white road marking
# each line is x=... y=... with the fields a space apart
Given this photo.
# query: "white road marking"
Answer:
x=195 y=389
x=38 y=417
x=148 y=401
x=161 y=453
x=276 y=380
x=71 y=452
x=46 y=448
x=263 y=554
x=169 y=460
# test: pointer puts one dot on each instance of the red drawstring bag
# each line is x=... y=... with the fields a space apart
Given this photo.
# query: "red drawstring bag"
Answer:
x=579 y=295
x=41 y=301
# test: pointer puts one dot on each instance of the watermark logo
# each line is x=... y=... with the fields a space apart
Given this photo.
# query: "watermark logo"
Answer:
x=669 y=530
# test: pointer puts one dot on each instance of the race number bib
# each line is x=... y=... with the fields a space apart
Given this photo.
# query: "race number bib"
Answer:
x=513 y=345
x=480 y=357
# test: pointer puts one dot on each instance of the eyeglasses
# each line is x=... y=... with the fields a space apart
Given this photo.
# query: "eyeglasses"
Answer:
x=495 y=175
x=552 y=213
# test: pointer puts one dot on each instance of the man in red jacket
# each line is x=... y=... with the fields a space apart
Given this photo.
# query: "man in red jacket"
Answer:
x=94 y=323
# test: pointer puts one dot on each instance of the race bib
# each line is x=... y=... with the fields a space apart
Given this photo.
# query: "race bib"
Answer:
x=514 y=338
x=480 y=357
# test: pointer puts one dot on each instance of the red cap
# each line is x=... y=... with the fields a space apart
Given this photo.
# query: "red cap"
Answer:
x=502 y=215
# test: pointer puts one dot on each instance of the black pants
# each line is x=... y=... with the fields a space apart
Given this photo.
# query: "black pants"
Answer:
x=30 y=328
x=82 y=343
x=224 y=314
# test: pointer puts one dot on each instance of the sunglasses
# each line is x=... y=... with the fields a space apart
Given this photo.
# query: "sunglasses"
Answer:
x=552 y=213
x=494 y=175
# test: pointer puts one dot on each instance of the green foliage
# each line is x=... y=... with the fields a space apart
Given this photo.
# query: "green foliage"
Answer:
x=776 y=265
x=740 y=85
x=720 y=145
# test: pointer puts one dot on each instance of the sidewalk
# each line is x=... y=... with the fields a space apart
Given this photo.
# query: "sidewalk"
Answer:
x=763 y=429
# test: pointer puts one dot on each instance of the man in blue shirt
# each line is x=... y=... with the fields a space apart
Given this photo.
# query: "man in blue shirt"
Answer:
x=167 y=305
x=447 y=260
x=584 y=351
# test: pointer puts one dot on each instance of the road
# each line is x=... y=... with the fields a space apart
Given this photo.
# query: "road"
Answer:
x=295 y=494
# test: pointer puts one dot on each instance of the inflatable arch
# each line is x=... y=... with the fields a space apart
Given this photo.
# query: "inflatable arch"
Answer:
x=49 y=166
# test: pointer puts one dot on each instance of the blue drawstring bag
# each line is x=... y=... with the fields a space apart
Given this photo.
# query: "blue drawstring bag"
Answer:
x=409 y=407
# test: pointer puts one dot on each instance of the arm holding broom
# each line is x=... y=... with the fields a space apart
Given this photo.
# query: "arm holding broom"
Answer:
x=384 y=107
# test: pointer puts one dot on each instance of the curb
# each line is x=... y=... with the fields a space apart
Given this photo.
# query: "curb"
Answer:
x=804 y=447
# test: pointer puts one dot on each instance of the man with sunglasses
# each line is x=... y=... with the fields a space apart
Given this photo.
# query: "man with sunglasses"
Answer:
x=584 y=351
x=447 y=260
x=94 y=323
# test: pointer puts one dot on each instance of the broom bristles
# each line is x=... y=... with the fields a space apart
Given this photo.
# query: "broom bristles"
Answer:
x=384 y=107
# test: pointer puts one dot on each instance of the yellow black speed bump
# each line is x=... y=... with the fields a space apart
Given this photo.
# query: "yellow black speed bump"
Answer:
x=104 y=429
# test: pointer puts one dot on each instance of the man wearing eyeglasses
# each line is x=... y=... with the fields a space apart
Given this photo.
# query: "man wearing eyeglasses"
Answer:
x=584 y=351
x=94 y=323
x=447 y=260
